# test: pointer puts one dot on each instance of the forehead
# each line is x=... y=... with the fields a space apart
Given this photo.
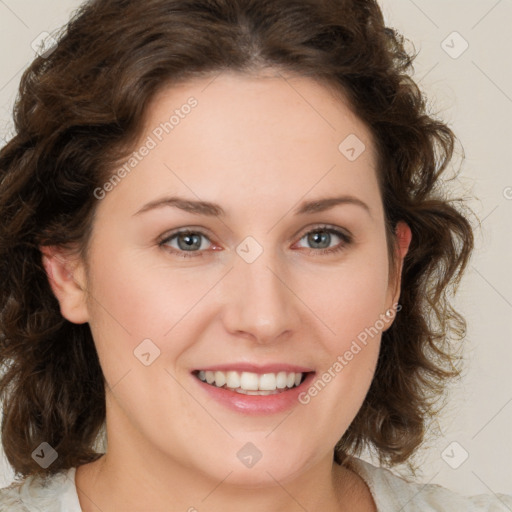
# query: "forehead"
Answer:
x=237 y=105
x=267 y=136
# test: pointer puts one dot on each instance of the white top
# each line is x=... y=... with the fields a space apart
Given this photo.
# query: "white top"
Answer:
x=390 y=493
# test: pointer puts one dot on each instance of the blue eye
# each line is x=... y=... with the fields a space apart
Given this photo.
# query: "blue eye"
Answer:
x=322 y=236
x=190 y=242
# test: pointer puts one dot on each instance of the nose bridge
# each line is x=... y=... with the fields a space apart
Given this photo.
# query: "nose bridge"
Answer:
x=260 y=302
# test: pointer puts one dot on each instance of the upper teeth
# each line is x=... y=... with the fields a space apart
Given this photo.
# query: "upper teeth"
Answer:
x=251 y=381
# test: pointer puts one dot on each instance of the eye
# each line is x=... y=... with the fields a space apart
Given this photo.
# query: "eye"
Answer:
x=187 y=241
x=321 y=238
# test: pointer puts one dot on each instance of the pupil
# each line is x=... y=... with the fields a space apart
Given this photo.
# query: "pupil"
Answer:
x=191 y=241
x=318 y=237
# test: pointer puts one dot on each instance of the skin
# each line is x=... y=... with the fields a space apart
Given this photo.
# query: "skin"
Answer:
x=258 y=146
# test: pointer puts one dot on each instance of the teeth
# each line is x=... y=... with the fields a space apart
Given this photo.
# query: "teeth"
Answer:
x=268 y=382
x=220 y=379
x=248 y=381
x=232 y=380
x=251 y=383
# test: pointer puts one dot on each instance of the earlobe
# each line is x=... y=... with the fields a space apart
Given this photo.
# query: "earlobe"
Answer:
x=67 y=281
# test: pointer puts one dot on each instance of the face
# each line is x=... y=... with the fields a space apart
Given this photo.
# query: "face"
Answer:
x=267 y=278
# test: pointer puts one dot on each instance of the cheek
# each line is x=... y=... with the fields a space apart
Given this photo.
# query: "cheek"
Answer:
x=349 y=299
x=353 y=313
x=144 y=298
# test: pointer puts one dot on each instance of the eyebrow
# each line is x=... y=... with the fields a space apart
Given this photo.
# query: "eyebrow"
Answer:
x=215 y=210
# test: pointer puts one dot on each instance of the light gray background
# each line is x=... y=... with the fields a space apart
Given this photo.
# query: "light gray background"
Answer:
x=473 y=92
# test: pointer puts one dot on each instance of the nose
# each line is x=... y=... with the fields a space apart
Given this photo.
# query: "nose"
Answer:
x=259 y=300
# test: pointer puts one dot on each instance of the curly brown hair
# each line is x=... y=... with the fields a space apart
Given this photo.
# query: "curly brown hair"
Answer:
x=82 y=106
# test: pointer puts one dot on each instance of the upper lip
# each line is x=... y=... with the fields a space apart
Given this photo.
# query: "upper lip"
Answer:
x=256 y=368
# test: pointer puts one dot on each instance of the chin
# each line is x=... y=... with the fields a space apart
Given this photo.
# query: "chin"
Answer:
x=247 y=471
x=263 y=474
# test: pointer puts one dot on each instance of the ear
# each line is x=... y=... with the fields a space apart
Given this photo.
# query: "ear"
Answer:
x=403 y=240
x=66 y=275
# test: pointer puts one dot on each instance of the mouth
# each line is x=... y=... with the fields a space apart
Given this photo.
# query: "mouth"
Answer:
x=251 y=383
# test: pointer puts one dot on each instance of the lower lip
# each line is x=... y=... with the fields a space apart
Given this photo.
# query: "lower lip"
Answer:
x=256 y=404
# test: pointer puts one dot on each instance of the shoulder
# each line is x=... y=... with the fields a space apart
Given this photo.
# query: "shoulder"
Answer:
x=392 y=493
x=55 y=493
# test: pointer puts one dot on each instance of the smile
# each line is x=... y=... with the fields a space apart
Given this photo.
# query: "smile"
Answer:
x=249 y=383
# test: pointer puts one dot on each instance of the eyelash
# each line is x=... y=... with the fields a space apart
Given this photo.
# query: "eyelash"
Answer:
x=345 y=237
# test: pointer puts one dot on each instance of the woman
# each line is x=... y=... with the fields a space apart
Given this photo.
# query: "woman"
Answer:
x=224 y=242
